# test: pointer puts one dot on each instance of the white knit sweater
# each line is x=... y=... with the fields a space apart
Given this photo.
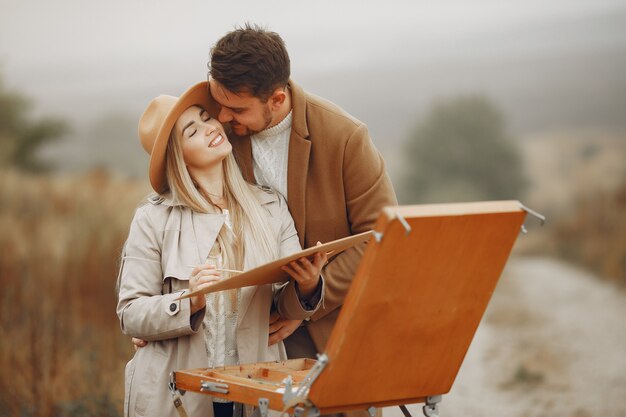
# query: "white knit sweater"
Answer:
x=270 y=150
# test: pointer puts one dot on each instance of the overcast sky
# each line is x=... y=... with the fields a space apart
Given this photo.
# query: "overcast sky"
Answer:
x=51 y=47
x=547 y=64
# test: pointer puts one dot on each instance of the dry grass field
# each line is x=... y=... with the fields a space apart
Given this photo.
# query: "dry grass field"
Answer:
x=62 y=352
x=578 y=180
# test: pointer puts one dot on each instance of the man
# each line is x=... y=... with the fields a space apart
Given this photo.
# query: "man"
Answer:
x=317 y=156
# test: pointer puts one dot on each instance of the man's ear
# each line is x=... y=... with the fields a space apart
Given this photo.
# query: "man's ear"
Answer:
x=277 y=99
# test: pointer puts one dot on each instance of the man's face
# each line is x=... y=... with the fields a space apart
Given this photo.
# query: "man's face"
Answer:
x=245 y=113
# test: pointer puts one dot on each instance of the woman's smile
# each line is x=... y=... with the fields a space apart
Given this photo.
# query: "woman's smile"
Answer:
x=219 y=139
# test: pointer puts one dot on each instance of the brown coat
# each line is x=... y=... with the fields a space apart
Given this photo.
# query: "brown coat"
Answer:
x=164 y=240
x=336 y=186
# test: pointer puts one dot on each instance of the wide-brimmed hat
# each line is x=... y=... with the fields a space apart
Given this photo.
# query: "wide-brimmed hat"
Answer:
x=157 y=122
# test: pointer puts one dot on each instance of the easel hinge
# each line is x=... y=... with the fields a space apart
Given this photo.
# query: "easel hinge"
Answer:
x=300 y=394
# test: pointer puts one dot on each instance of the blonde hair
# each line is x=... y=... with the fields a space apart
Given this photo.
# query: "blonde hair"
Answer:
x=252 y=241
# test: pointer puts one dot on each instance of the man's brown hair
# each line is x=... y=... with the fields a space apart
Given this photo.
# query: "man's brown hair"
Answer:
x=250 y=59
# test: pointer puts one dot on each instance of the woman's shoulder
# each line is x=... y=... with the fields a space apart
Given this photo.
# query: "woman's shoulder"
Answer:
x=156 y=209
x=265 y=194
x=271 y=200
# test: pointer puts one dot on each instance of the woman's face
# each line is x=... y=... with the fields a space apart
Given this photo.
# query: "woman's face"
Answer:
x=203 y=140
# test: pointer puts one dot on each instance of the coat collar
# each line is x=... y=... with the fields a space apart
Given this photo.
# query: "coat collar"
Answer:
x=261 y=193
x=298 y=104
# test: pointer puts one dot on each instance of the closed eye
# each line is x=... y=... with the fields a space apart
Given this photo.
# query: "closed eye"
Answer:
x=204 y=116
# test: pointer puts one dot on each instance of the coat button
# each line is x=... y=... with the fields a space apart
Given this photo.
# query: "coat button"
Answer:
x=173 y=307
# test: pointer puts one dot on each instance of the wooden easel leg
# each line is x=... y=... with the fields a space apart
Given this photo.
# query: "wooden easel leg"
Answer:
x=405 y=411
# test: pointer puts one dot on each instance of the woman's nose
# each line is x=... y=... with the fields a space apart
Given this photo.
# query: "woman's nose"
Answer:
x=208 y=129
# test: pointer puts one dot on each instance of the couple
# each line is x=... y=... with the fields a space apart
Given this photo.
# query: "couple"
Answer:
x=319 y=179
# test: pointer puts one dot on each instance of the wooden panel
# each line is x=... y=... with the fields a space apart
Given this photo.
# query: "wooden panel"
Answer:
x=415 y=303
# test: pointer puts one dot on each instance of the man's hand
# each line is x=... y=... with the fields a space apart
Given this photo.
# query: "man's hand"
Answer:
x=281 y=328
x=138 y=343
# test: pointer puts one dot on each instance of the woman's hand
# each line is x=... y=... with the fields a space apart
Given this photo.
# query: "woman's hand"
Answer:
x=307 y=273
x=201 y=277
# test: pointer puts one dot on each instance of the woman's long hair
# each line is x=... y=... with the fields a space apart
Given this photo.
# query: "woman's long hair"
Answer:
x=252 y=241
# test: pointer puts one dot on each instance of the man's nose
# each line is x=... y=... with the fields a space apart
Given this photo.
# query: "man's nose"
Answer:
x=224 y=115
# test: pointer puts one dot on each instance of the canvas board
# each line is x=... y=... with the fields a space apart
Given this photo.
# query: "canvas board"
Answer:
x=271 y=272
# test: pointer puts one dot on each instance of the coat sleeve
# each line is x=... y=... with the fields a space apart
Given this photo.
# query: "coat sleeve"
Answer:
x=367 y=190
x=286 y=296
x=143 y=310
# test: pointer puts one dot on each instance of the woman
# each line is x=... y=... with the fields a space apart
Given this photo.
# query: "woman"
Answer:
x=205 y=218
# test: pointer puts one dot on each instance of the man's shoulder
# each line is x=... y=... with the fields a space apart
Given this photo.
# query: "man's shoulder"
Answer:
x=319 y=107
x=319 y=119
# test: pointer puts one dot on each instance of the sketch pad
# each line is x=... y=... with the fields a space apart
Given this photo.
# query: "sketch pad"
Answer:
x=271 y=272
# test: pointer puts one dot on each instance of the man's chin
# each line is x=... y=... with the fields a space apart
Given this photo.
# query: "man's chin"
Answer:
x=240 y=130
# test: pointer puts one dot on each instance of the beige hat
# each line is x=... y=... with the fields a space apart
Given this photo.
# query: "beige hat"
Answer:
x=157 y=122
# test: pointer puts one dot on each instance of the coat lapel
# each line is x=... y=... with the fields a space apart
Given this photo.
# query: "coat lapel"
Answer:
x=206 y=228
x=299 y=150
x=298 y=160
x=247 y=293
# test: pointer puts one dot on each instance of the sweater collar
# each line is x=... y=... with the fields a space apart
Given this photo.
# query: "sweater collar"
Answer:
x=284 y=124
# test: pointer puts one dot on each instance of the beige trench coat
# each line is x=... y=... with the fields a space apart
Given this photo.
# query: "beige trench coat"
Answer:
x=164 y=240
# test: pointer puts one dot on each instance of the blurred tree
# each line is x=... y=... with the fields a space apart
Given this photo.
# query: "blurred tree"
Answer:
x=461 y=152
x=21 y=136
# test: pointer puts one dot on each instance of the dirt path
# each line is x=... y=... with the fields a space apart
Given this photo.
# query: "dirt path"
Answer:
x=552 y=343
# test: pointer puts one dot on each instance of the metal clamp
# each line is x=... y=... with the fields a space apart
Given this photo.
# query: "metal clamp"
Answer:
x=178 y=402
x=213 y=387
x=315 y=371
x=404 y=224
x=307 y=411
x=172 y=385
x=431 y=409
x=541 y=217
x=313 y=412
x=289 y=392
x=264 y=406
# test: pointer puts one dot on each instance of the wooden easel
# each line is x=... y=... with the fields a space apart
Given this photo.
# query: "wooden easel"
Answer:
x=413 y=308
